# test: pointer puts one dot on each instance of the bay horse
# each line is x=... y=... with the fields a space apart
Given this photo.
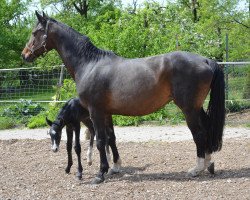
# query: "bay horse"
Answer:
x=70 y=115
x=108 y=84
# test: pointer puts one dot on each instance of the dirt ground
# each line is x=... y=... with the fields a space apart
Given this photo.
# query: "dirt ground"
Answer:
x=150 y=170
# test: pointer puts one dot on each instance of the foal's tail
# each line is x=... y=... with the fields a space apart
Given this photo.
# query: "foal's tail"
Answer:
x=216 y=109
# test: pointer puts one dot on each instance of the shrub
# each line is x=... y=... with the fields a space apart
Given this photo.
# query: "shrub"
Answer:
x=236 y=106
x=26 y=108
x=39 y=120
x=6 y=123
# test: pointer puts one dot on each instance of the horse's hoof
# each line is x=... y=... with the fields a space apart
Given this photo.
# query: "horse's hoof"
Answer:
x=89 y=163
x=211 y=168
x=97 y=180
x=67 y=170
x=112 y=172
x=193 y=173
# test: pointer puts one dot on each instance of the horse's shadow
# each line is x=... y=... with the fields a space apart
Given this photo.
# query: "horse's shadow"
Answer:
x=138 y=174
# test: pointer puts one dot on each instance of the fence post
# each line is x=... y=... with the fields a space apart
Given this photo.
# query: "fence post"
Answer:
x=60 y=83
x=226 y=68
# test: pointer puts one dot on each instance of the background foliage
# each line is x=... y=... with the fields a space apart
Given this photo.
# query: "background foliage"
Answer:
x=131 y=30
x=134 y=30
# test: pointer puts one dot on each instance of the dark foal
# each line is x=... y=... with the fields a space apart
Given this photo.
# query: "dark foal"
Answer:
x=108 y=84
x=71 y=114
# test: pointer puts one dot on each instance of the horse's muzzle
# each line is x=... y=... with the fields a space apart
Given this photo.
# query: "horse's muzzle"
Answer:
x=55 y=148
x=26 y=58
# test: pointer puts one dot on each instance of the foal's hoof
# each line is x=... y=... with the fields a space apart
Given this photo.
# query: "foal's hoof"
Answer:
x=211 y=168
x=79 y=176
x=67 y=170
x=89 y=163
x=97 y=180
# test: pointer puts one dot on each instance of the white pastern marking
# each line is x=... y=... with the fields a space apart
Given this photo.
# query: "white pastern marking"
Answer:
x=116 y=166
x=200 y=167
x=108 y=157
x=207 y=160
x=89 y=154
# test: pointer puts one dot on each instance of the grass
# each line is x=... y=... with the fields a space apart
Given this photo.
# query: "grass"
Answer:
x=6 y=123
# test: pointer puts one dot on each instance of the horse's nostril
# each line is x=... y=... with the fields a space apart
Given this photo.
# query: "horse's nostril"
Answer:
x=55 y=149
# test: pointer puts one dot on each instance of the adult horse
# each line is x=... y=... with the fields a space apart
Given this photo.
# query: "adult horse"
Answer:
x=108 y=84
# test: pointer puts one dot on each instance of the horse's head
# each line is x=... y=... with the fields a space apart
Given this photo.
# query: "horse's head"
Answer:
x=55 y=133
x=39 y=41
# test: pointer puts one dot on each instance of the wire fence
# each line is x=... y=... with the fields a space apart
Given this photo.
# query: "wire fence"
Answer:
x=28 y=91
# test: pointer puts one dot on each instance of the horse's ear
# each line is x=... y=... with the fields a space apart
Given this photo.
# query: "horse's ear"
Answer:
x=48 y=122
x=45 y=16
x=40 y=18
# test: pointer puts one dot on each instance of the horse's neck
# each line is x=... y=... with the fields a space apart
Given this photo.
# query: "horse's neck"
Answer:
x=69 y=52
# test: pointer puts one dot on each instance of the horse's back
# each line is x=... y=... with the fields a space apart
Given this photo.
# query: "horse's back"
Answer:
x=142 y=85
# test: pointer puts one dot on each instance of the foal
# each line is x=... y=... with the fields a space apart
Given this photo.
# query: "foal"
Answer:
x=70 y=116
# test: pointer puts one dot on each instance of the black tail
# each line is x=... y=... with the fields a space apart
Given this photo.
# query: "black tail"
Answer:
x=216 y=109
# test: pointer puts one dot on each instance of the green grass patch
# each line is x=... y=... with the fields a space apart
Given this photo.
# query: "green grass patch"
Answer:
x=6 y=123
x=170 y=114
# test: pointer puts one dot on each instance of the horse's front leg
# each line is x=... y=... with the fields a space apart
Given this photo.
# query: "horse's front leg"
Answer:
x=69 y=132
x=98 y=120
x=77 y=148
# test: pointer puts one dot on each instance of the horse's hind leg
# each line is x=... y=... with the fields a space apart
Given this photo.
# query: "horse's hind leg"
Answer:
x=208 y=164
x=195 y=126
x=78 y=151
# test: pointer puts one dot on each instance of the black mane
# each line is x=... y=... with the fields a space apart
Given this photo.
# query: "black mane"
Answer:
x=70 y=112
x=84 y=46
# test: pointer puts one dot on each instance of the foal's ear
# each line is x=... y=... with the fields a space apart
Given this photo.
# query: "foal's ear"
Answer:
x=45 y=16
x=41 y=18
x=48 y=122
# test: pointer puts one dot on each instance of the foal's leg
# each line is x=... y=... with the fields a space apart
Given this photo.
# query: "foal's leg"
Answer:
x=98 y=119
x=108 y=153
x=112 y=143
x=90 y=149
x=195 y=125
x=88 y=123
x=69 y=132
x=78 y=150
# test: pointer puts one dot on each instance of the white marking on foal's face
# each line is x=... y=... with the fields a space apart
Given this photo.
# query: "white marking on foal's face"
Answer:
x=55 y=147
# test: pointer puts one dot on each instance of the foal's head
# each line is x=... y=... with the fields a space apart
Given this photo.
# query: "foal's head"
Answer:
x=39 y=41
x=55 y=133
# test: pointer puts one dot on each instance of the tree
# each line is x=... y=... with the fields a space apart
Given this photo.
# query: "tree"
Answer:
x=82 y=7
x=13 y=32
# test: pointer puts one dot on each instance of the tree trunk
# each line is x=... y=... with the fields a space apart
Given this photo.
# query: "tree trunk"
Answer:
x=82 y=7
